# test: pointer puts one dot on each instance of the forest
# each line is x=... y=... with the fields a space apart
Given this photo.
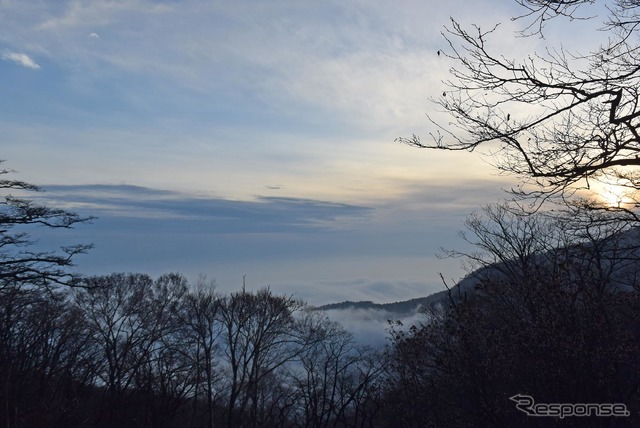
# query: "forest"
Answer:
x=544 y=331
x=550 y=310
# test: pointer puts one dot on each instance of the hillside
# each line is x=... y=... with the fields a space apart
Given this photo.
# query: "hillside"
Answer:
x=402 y=308
x=618 y=262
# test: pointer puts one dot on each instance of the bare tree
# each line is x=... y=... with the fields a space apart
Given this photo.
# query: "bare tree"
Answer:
x=164 y=376
x=511 y=243
x=261 y=335
x=202 y=327
x=128 y=316
x=577 y=246
x=559 y=120
x=41 y=334
x=325 y=370
x=42 y=341
x=549 y=300
x=20 y=263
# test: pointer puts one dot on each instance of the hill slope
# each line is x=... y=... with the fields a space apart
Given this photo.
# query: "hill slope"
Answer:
x=619 y=256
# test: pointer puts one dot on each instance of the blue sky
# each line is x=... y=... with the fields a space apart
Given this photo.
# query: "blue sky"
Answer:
x=246 y=137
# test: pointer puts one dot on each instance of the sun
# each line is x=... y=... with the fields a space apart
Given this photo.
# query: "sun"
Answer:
x=615 y=196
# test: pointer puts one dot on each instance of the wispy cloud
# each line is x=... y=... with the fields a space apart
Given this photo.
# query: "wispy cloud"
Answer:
x=288 y=55
x=261 y=215
x=21 y=59
x=370 y=326
x=229 y=100
x=310 y=248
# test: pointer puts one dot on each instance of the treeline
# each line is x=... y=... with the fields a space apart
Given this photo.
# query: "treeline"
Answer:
x=553 y=316
x=551 y=322
x=129 y=351
x=549 y=317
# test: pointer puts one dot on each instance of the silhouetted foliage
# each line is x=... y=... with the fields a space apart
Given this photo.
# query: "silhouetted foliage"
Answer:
x=551 y=307
x=42 y=361
x=550 y=316
x=559 y=120
x=41 y=333
x=20 y=263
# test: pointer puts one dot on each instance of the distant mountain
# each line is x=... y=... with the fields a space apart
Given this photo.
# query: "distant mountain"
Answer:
x=403 y=308
x=619 y=255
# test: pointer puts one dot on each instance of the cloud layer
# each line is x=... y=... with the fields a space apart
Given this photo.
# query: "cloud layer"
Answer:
x=268 y=127
x=320 y=251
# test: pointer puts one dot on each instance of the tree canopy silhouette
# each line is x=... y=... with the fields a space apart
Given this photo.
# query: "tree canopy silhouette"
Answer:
x=560 y=120
x=20 y=263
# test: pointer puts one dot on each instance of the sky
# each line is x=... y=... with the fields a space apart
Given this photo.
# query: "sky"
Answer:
x=247 y=138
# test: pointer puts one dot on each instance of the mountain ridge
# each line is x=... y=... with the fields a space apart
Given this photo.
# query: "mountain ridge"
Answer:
x=625 y=245
x=403 y=307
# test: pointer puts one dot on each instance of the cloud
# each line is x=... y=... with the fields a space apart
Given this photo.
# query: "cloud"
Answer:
x=320 y=251
x=296 y=57
x=21 y=59
x=304 y=97
x=75 y=14
x=261 y=215
x=371 y=326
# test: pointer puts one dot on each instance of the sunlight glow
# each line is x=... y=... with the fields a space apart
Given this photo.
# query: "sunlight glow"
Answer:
x=615 y=196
